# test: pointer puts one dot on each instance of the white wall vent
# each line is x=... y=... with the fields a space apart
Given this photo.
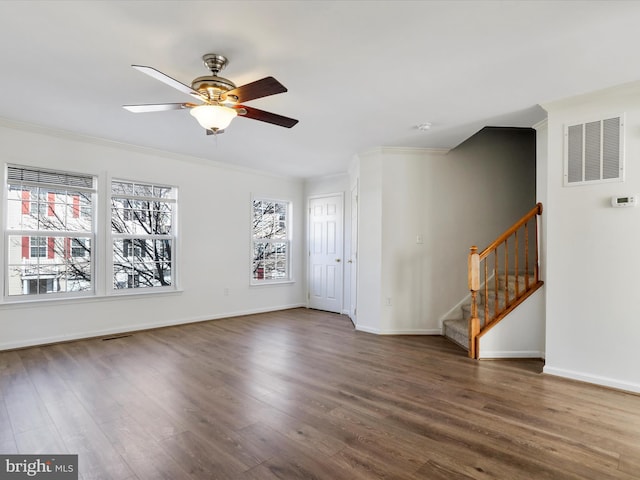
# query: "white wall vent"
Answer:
x=593 y=152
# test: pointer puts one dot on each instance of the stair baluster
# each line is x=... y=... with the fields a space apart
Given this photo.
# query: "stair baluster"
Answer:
x=478 y=280
x=474 y=286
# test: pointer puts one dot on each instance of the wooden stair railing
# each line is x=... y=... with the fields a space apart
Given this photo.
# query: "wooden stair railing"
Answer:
x=508 y=258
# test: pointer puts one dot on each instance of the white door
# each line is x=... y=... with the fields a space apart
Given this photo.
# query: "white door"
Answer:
x=354 y=255
x=325 y=252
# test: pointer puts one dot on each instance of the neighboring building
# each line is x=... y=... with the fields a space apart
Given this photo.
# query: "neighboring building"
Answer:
x=51 y=236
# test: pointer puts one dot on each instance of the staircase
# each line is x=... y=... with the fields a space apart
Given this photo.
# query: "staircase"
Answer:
x=494 y=294
x=457 y=329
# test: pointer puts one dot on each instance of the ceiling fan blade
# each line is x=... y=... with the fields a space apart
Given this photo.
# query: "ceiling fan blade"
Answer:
x=258 y=89
x=256 y=114
x=172 y=82
x=157 y=107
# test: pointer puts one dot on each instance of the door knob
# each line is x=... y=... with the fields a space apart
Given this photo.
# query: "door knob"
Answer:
x=338 y=260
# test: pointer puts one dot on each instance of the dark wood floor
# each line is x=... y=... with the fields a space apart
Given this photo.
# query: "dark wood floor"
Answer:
x=300 y=395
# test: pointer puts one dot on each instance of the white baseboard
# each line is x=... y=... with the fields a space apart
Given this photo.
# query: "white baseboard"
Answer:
x=417 y=331
x=32 y=342
x=510 y=354
x=364 y=328
x=595 y=379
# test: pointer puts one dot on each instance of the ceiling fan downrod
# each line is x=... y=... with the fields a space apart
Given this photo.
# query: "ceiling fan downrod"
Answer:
x=215 y=62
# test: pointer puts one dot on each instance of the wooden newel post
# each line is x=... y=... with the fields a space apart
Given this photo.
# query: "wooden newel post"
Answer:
x=474 y=286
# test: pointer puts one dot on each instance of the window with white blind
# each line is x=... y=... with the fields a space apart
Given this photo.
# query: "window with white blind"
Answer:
x=270 y=249
x=48 y=213
x=143 y=235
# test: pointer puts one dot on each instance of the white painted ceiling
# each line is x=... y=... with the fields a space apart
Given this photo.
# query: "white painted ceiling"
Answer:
x=360 y=74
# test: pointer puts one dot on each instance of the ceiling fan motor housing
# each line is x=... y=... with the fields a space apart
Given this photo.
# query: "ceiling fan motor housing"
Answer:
x=212 y=86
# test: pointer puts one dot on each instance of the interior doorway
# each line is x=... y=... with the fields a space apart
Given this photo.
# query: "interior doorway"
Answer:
x=326 y=237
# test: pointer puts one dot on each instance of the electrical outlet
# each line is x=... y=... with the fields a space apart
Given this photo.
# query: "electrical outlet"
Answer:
x=388 y=301
x=419 y=239
x=226 y=292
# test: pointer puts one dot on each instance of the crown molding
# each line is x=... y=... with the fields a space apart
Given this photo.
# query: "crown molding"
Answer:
x=541 y=124
x=87 y=139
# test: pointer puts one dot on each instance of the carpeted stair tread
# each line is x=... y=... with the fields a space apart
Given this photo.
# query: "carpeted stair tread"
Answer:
x=457 y=329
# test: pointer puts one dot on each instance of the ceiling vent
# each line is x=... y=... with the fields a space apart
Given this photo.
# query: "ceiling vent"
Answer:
x=593 y=152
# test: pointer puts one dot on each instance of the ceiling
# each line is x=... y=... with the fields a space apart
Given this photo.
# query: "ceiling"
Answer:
x=360 y=74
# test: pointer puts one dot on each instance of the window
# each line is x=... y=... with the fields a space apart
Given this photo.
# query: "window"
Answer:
x=80 y=248
x=42 y=285
x=80 y=207
x=38 y=247
x=40 y=229
x=271 y=243
x=143 y=235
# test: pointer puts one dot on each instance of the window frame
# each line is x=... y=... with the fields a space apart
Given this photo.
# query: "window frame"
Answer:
x=52 y=236
x=288 y=278
x=132 y=284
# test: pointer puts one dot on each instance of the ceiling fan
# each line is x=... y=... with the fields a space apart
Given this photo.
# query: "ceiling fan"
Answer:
x=221 y=101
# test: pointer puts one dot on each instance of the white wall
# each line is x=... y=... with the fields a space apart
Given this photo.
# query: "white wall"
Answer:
x=592 y=264
x=214 y=240
x=521 y=334
x=452 y=200
x=369 y=242
x=408 y=268
x=327 y=185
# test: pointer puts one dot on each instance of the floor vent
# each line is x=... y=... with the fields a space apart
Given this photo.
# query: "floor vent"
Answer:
x=117 y=337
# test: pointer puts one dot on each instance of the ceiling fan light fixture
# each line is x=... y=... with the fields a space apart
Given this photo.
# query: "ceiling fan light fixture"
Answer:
x=219 y=99
x=213 y=117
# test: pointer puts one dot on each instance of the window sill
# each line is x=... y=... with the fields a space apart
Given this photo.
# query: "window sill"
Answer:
x=267 y=283
x=37 y=302
x=135 y=292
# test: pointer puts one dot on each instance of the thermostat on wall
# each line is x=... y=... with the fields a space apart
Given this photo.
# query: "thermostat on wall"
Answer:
x=626 y=201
